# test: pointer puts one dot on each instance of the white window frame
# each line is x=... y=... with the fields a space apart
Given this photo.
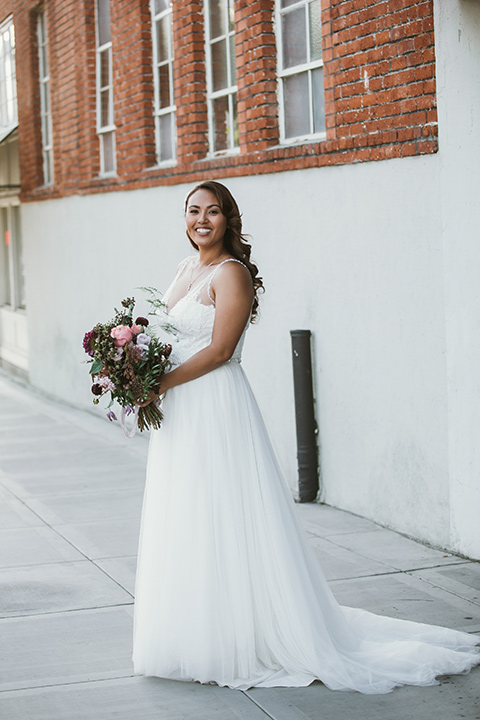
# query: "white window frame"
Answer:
x=171 y=109
x=230 y=91
x=109 y=128
x=8 y=86
x=13 y=313
x=14 y=256
x=45 y=112
x=295 y=70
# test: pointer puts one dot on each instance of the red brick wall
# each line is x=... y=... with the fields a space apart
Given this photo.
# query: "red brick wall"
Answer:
x=27 y=90
x=379 y=73
x=133 y=86
x=256 y=75
x=380 y=78
x=190 y=82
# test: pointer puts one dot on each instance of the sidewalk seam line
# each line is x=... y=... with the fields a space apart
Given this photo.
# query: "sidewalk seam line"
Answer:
x=255 y=702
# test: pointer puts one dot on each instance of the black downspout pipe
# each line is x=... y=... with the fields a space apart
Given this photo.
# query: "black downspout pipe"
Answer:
x=307 y=454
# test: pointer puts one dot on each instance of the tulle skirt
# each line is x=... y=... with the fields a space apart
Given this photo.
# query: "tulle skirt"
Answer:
x=228 y=589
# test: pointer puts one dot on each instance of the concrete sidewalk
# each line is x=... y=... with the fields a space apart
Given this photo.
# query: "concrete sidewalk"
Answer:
x=71 y=492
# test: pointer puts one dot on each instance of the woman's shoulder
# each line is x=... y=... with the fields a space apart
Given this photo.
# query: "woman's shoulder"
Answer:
x=231 y=269
x=232 y=264
x=186 y=262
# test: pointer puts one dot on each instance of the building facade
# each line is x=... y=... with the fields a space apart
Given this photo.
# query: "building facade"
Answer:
x=348 y=131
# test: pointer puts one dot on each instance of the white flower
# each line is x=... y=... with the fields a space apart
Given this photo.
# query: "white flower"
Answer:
x=106 y=383
x=143 y=339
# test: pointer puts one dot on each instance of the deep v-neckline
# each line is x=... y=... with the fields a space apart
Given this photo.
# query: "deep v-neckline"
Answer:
x=197 y=288
x=184 y=297
x=190 y=292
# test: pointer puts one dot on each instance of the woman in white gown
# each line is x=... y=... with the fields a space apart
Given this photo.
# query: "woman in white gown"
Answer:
x=228 y=590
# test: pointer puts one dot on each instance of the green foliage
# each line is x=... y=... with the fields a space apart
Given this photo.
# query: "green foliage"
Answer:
x=96 y=367
x=158 y=308
x=129 y=373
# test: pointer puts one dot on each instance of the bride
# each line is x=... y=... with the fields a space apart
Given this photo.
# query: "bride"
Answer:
x=228 y=589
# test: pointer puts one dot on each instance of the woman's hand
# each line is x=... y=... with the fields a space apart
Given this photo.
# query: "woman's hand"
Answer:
x=152 y=396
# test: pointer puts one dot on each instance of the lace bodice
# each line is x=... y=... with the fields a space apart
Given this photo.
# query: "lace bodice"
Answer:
x=193 y=319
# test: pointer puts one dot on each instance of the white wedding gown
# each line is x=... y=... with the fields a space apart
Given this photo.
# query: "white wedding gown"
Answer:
x=228 y=589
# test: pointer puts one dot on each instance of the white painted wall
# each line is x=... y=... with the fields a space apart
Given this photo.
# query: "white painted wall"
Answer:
x=379 y=260
x=458 y=83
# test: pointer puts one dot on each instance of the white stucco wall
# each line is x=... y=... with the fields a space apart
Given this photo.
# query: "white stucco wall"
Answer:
x=379 y=260
x=458 y=90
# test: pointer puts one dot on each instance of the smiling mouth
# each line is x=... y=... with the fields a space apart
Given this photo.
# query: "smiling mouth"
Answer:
x=203 y=231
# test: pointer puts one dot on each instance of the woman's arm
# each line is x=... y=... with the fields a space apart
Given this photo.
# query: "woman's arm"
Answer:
x=233 y=292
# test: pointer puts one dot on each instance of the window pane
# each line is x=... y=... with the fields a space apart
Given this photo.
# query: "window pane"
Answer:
x=43 y=61
x=104 y=108
x=6 y=249
x=103 y=10
x=47 y=167
x=217 y=16
x=108 y=152
x=318 y=101
x=45 y=98
x=220 y=123
x=8 y=88
x=219 y=65
x=105 y=68
x=296 y=105
x=315 y=21
x=166 y=125
x=287 y=3
x=11 y=113
x=163 y=86
x=41 y=27
x=161 y=5
x=45 y=130
x=236 y=137
x=19 y=269
x=231 y=16
x=294 y=43
x=233 y=61
x=163 y=31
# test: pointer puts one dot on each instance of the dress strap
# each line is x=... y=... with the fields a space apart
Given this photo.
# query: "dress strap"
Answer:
x=212 y=275
x=186 y=261
x=181 y=267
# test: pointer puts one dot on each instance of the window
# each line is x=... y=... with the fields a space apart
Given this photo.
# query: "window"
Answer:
x=302 y=104
x=8 y=85
x=105 y=126
x=13 y=273
x=163 y=80
x=45 y=112
x=221 y=75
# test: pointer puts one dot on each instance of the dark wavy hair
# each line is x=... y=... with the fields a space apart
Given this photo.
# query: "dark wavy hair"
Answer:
x=234 y=242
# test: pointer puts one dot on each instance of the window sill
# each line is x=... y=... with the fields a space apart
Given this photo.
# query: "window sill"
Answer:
x=107 y=176
x=303 y=140
x=161 y=166
x=220 y=154
x=11 y=309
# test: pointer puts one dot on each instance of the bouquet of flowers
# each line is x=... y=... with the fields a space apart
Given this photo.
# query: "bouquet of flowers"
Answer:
x=127 y=361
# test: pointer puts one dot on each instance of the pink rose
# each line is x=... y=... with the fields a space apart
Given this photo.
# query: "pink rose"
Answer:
x=122 y=335
x=136 y=329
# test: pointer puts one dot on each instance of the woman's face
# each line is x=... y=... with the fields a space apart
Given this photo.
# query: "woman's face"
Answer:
x=206 y=224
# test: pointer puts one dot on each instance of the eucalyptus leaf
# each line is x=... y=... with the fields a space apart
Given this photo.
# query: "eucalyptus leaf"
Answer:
x=96 y=367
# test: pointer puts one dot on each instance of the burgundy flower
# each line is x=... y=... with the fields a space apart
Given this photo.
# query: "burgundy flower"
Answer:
x=141 y=321
x=88 y=339
x=97 y=389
